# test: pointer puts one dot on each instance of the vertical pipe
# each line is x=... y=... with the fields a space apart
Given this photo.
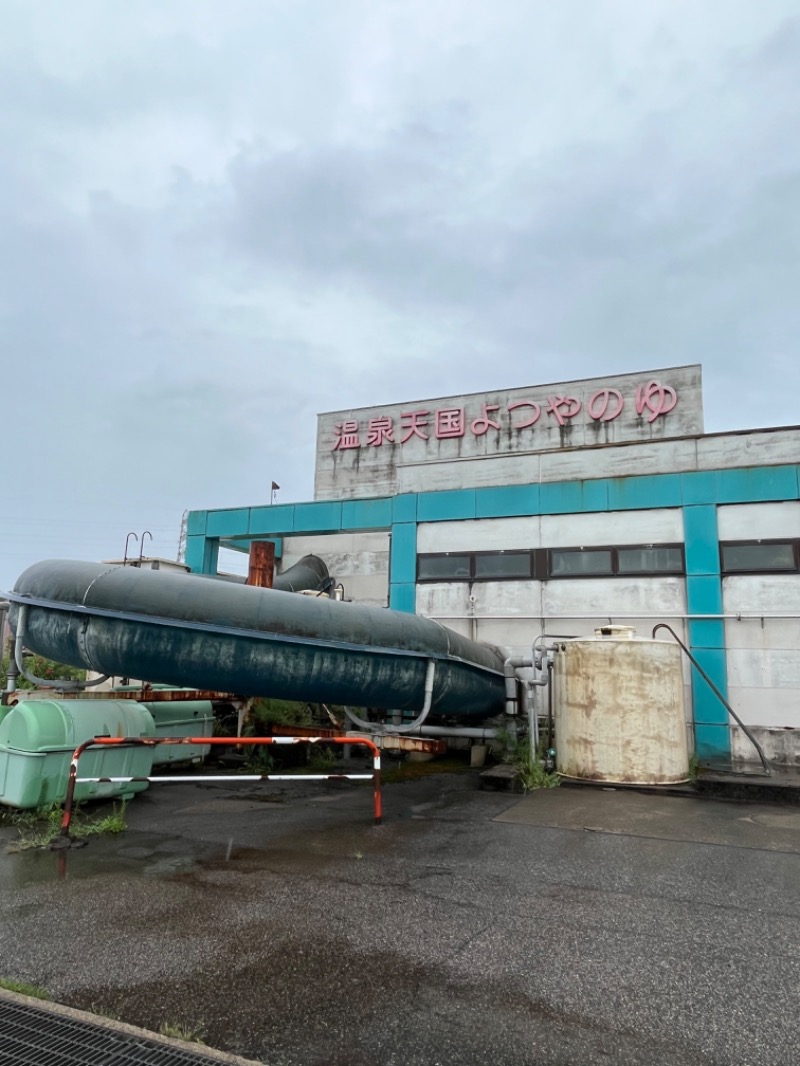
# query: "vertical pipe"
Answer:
x=261 y=570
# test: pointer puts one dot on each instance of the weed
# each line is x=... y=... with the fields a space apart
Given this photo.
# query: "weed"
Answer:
x=358 y=854
x=39 y=828
x=178 y=1031
x=259 y=759
x=321 y=758
x=105 y=1012
x=24 y=989
x=531 y=771
x=694 y=768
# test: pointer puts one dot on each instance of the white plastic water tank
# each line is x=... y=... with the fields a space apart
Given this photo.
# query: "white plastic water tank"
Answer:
x=619 y=709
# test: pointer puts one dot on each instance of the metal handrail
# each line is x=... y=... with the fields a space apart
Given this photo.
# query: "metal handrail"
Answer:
x=69 y=802
x=717 y=693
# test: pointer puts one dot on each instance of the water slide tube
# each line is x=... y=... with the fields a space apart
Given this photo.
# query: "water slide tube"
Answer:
x=178 y=629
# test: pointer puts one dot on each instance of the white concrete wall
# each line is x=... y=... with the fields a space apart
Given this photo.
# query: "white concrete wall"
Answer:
x=372 y=470
x=512 y=613
x=360 y=561
x=713 y=452
x=763 y=652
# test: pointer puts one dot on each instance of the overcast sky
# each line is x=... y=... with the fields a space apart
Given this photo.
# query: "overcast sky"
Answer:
x=220 y=217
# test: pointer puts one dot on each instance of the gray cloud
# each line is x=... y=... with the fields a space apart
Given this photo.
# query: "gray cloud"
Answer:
x=216 y=221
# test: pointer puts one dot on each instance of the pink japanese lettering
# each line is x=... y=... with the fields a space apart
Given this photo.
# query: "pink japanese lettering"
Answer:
x=380 y=430
x=605 y=405
x=346 y=436
x=414 y=422
x=483 y=423
x=532 y=419
x=563 y=408
x=450 y=422
x=658 y=399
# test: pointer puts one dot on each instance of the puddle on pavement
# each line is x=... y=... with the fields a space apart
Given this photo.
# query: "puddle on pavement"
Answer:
x=137 y=854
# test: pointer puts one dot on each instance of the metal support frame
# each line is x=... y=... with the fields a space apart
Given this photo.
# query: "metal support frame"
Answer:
x=95 y=742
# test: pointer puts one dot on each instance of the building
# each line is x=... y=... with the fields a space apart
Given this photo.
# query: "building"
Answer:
x=558 y=508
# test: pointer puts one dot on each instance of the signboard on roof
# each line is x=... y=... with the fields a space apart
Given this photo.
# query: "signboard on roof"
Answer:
x=360 y=451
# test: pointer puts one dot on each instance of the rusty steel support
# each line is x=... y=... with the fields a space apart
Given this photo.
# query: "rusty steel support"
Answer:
x=261 y=569
x=73 y=780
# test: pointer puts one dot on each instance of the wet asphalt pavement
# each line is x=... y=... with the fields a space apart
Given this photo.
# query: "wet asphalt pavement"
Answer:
x=281 y=924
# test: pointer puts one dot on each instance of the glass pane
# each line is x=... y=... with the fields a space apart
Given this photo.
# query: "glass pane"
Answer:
x=650 y=560
x=758 y=557
x=509 y=564
x=578 y=562
x=443 y=567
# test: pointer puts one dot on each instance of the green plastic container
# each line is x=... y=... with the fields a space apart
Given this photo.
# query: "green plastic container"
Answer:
x=192 y=718
x=38 y=737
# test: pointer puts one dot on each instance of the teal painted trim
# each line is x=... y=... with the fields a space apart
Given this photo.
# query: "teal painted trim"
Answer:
x=228 y=523
x=367 y=514
x=701 y=542
x=404 y=508
x=507 y=502
x=403 y=597
x=317 y=517
x=712 y=742
x=196 y=523
x=243 y=545
x=706 y=633
x=704 y=594
x=573 y=497
x=403 y=556
x=712 y=661
x=699 y=486
x=446 y=506
x=757 y=484
x=706 y=636
x=643 y=493
x=711 y=728
x=202 y=554
x=276 y=519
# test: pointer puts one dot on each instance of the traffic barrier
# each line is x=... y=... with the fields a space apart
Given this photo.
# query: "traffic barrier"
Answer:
x=69 y=801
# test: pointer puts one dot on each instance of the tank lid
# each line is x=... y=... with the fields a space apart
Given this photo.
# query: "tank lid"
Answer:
x=611 y=632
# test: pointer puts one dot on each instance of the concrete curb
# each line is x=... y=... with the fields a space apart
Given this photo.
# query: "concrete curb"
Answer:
x=59 y=1009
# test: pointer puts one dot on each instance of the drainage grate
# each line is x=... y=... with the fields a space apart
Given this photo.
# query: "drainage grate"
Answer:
x=30 y=1036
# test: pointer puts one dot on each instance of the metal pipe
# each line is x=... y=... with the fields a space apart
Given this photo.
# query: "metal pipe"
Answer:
x=717 y=693
x=371 y=727
x=130 y=742
x=737 y=616
x=471 y=732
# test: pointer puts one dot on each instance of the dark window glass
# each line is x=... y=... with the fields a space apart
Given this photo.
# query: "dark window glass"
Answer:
x=580 y=562
x=747 y=557
x=505 y=565
x=649 y=561
x=443 y=567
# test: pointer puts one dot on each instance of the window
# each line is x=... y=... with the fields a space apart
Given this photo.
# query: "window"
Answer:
x=503 y=565
x=649 y=561
x=575 y=562
x=542 y=564
x=444 y=568
x=759 y=557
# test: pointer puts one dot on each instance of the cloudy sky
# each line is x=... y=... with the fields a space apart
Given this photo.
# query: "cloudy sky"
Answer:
x=220 y=217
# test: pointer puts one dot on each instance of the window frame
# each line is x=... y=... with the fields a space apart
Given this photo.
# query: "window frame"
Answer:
x=541 y=564
x=792 y=542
